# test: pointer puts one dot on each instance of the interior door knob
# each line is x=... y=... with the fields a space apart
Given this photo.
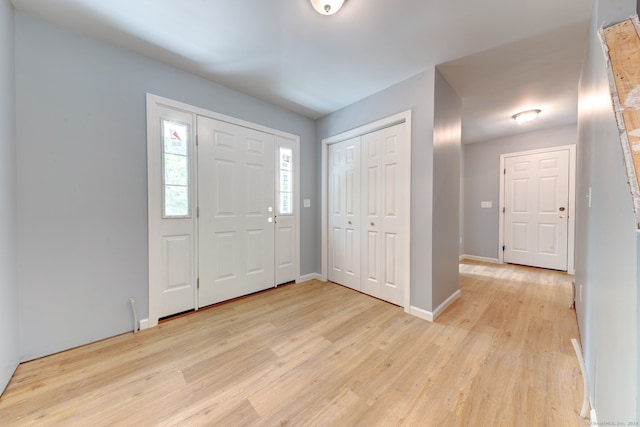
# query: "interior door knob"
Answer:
x=373 y=224
x=561 y=209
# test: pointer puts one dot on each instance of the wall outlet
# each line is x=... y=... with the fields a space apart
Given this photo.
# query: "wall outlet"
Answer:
x=306 y=203
x=486 y=204
x=580 y=293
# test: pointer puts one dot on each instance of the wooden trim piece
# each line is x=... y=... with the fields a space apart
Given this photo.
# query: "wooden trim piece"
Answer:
x=622 y=44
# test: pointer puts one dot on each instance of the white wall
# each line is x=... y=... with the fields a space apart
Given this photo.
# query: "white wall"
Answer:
x=606 y=238
x=447 y=134
x=9 y=317
x=482 y=183
x=82 y=179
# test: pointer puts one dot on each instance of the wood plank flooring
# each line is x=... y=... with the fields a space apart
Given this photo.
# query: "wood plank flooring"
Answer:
x=319 y=354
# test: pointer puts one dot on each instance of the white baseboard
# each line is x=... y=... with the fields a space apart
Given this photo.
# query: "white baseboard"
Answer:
x=442 y=307
x=144 y=324
x=480 y=258
x=431 y=316
x=307 y=277
x=422 y=314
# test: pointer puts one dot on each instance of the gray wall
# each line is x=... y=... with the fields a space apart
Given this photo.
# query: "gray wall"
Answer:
x=82 y=180
x=9 y=316
x=606 y=246
x=416 y=94
x=447 y=129
x=482 y=183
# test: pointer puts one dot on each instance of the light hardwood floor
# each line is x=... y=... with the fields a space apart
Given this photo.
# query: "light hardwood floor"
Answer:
x=320 y=354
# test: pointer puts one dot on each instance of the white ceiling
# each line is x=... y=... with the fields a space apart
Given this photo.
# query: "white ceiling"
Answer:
x=500 y=56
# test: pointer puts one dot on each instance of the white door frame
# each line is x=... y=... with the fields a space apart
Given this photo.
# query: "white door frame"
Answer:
x=403 y=117
x=153 y=103
x=572 y=201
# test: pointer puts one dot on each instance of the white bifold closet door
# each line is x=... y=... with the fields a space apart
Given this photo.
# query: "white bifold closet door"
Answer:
x=236 y=196
x=368 y=189
x=382 y=191
x=344 y=213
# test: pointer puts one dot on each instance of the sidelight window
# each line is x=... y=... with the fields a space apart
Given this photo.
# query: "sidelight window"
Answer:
x=286 y=181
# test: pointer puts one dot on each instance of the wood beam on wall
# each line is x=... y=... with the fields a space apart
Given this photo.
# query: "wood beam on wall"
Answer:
x=622 y=44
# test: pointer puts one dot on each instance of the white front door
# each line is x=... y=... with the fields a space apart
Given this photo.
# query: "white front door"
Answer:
x=383 y=193
x=344 y=213
x=236 y=197
x=536 y=209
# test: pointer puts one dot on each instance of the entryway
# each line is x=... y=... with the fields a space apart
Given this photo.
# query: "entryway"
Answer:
x=223 y=207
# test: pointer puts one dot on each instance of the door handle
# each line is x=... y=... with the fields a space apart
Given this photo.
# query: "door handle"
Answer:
x=373 y=224
x=349 y=223
x=561 y=209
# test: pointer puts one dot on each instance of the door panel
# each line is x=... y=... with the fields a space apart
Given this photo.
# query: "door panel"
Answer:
x=344 y=208
x=178 y=289
x=287 y=206
x=236 y=230
x=384 y=186
x=172 y=250
x=536 y=209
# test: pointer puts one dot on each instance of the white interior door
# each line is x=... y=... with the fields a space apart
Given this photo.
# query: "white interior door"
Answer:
x=536 y=209
x=383 y=193
x=344 y=213
x=236 y=198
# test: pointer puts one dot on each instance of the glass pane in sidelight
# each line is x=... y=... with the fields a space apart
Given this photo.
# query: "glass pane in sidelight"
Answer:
x=175 y=170
x=286 y=207
x=175 y=138
x=286 y=158
x=176 y=201
x=285 y=181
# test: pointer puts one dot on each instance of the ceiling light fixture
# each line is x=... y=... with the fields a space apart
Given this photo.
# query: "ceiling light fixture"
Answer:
x=526 y=116
x=327 y=7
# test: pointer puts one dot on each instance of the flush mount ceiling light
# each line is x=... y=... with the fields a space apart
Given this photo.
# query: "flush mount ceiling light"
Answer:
x=327 y=7
x=526 y=116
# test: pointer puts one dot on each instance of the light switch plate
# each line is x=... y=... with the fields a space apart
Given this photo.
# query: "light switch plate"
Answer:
x=307 y=203
x=486 y=204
